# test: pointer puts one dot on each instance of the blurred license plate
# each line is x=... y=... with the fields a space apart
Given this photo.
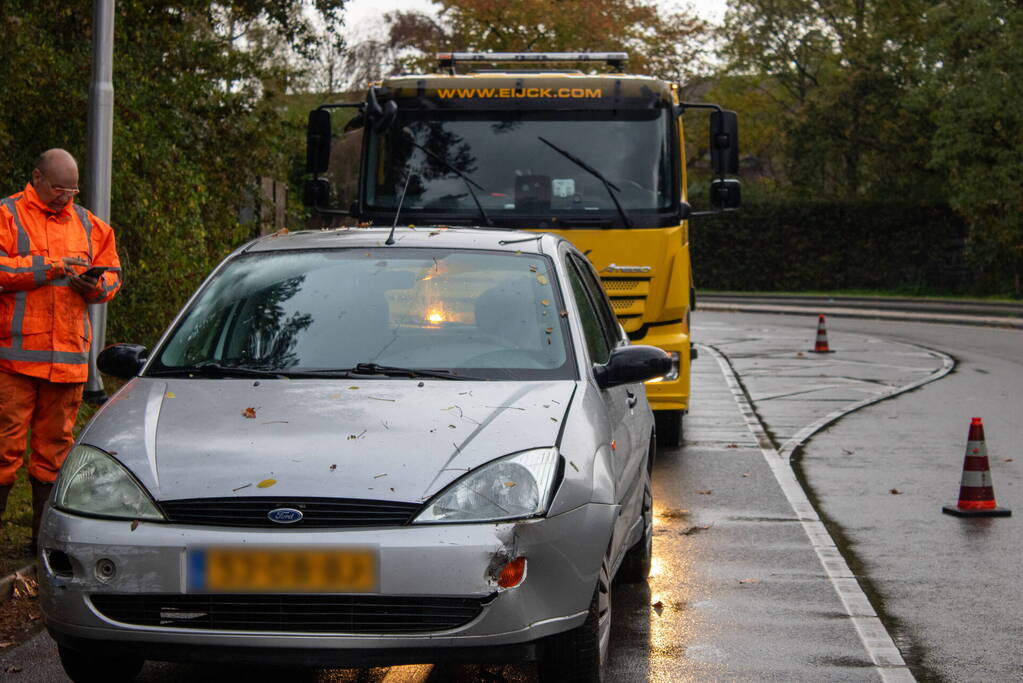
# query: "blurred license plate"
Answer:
x=263 y=570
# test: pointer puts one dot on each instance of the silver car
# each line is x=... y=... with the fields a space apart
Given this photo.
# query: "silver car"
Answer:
x=351 y=453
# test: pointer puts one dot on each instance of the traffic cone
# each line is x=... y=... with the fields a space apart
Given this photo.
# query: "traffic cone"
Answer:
x=821 y=346
x=976 y=494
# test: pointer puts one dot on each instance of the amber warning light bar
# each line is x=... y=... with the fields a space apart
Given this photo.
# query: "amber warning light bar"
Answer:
x=615 y=59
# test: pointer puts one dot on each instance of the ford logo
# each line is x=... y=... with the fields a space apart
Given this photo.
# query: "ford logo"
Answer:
x=285 y=515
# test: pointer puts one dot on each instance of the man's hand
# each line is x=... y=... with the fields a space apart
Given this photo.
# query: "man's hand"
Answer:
x=73 y=261
x=83 y=284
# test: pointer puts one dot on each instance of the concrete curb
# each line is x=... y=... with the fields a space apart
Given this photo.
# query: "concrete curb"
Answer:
x=7 y=583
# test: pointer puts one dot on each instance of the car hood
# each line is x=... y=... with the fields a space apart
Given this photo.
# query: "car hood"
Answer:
x=400 y=440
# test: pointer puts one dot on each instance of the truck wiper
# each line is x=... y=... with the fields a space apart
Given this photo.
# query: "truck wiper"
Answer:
x=390 y=371
x=611 y=187
x=211 y=368
x=469 y=182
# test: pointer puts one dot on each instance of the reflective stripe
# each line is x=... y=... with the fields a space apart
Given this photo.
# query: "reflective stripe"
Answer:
x=18 y=318
x=8 y=269
x=39 y=268
x=67 y=357
x=83 y=216
x=23 y=244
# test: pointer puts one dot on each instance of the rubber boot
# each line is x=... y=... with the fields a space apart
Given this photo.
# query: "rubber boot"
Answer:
x=40 y=496
x=4 y=492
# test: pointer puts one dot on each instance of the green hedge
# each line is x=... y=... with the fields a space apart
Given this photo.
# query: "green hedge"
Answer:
x=819 y=246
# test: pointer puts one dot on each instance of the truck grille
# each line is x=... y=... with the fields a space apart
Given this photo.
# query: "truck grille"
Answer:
x=336 y=513
x=292 y=613
x=628 y=297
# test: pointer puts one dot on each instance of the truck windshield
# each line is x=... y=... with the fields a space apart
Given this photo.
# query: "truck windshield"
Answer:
x=516 y=174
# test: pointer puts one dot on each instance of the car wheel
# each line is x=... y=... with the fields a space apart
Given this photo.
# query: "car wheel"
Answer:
x=85 y=668
x=636 y=566
x=670 y=427
x=580 y=655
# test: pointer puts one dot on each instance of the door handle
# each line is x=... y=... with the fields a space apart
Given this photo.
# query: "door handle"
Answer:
x=633 y=399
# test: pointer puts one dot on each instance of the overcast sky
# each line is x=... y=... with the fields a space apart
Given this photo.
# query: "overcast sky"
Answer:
x=365 y=17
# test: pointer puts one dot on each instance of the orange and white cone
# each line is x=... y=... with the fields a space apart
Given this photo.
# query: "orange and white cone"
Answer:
x=821 y=345
x=976 y=493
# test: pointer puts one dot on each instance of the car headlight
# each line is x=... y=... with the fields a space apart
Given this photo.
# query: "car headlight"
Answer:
x=93 y=483
x=511 y=487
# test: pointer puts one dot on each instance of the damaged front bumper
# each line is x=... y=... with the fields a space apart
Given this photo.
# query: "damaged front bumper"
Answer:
x=87 y=563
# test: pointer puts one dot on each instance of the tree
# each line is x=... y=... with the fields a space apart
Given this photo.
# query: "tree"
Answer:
x=976 y=64
x=671 y=46
x=843 y=68
x=195 y=122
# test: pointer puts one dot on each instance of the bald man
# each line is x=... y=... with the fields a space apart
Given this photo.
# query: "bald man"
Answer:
x=56 y=257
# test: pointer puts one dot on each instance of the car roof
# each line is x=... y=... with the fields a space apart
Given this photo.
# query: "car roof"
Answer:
x=409 y=236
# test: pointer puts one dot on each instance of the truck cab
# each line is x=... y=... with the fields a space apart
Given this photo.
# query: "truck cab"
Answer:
x=596 y=158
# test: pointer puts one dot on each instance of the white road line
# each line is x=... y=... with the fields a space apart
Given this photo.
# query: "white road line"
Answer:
x=878 y=643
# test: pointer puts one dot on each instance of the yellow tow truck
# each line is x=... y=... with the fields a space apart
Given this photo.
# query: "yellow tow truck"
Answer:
x=596 y=158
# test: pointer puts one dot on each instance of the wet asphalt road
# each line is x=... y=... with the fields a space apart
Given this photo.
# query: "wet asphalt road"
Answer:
x=737 y=591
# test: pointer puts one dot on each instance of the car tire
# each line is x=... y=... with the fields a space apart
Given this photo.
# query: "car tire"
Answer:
x=85 y=668
x=636 y=565
x=580 y=655
x=670 y=427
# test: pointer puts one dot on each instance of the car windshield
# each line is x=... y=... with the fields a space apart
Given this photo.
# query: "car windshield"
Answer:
x=487 y=315
x=515 y=170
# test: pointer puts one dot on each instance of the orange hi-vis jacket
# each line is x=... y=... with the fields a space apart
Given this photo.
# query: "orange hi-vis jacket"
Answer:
x=44 y=324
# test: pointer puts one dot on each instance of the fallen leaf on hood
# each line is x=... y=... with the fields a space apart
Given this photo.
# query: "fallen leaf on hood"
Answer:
x=574 y=467
x=169 y=394
x=895 y=492
x=542 y=279
x=732 y=445
x=134 y=524
x=333 y=467
x=380 y=475
x=279 y=233
x=545 y=302
x=250 y=413
x=353 y=388
x=377 y=398
x=532 y=269
x=747 y=474
x=749 y=580
x=554 y=419
x=510 y=484
x=240 y=488
x=705 y=493
x=799 y=354
x=266 y=483
x=1007 y=460
x=353 y=437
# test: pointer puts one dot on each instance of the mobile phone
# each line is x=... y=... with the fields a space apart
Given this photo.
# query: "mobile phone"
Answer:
x=95 y=271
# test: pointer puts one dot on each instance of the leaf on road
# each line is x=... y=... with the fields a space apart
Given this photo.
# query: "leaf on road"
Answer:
x=674 y=513
x=705 y=493
x=895 y=492
x=749 y=580
x=266 y=483
x=732 y=445
x=689 y=531
x=250 y=413
x=658 y=607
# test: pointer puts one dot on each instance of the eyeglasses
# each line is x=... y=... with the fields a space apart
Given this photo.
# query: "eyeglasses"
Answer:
x=72 y=191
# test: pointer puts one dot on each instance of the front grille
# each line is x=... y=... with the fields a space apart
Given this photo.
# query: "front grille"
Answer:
x=377 y=614
x=628 y=297
x=317 y=512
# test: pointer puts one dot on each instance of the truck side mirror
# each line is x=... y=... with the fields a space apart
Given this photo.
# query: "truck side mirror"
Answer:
x=317 y=142
x=316 y=192
x=725 y=193
x=724 y=142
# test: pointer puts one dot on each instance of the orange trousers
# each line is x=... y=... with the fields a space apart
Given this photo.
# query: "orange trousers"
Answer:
x=49 y=409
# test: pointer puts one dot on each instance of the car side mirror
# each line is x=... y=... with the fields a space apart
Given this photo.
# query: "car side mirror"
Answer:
x=725 y=193
x=122 y=360
x=632 y=364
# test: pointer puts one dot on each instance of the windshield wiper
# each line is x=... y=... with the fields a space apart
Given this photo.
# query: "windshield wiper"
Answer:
x=390 y=371
x=611 y=187
x=469 y=182
x=213 y=369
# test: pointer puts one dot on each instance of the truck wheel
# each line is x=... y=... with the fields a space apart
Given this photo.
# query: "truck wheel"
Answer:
x=580 y=655
x=670 y=427
x=636 y=565
x=85 y=668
